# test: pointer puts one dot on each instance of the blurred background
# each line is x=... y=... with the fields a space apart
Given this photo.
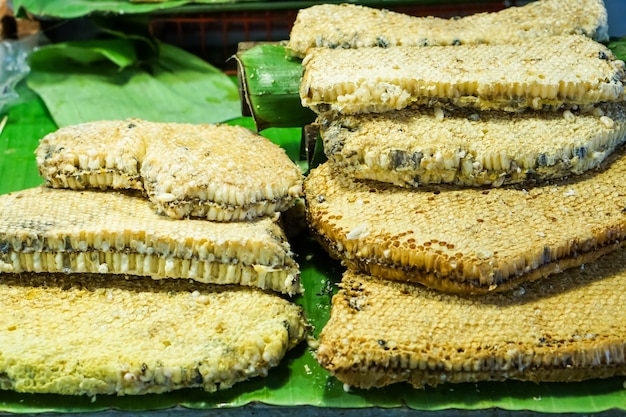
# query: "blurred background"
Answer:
x=617 y=17
x=214 y=36
x=213 y=31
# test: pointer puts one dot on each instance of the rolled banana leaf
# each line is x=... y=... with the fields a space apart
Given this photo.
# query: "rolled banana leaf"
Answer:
x=269 y=83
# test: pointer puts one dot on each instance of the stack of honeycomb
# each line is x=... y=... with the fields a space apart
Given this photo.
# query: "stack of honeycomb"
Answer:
x=473 y=191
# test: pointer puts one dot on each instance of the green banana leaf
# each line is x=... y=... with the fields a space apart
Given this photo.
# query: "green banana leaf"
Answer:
x=68 y=9
x=26 y=120
x=174 y=86
x=298 y=381
x=618 y=46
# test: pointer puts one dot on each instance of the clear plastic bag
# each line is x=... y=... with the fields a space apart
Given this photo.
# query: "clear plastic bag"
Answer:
x=14 y=66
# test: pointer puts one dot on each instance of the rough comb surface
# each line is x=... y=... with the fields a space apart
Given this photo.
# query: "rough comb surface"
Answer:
x=468 y=240
x=419 y=146
x=542 y=73
x=57 y=230
x=382 y=332
x=98 y=334
x=344 y=26
x=218 y=172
